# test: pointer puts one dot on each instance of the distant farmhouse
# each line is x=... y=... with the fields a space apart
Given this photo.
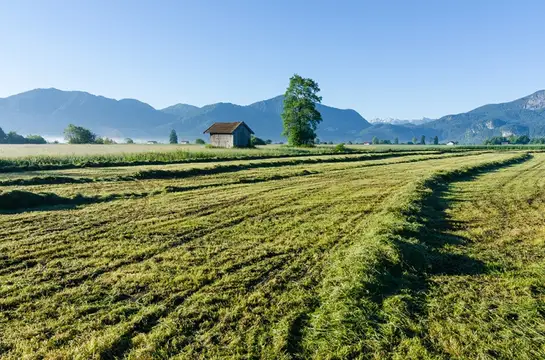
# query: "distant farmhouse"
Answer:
x=452 y=143
x=228 y=135
x=184 y=142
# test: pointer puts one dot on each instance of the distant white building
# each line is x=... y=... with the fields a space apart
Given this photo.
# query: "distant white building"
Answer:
x=452 y=143
x=184 y=142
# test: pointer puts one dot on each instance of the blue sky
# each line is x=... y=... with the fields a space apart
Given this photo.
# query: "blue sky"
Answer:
x=405 y=58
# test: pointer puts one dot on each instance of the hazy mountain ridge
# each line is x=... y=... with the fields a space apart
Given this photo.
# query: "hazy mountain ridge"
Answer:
x=49 y=111
x=524 y=116
x=264 y=118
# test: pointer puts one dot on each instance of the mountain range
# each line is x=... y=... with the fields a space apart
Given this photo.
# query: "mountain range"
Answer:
x=394 y=121
x=48 y=111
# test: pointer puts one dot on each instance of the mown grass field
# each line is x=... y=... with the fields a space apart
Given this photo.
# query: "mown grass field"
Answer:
x=420 y=254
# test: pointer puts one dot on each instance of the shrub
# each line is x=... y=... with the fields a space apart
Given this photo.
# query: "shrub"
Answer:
x=340 y=147
x=254 y=140
x=105 y=141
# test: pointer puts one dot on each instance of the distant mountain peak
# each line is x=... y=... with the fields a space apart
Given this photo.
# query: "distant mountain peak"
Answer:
x=395 y=121
x=536 y=101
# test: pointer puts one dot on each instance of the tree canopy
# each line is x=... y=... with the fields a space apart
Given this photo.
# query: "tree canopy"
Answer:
x=300 y=117
x=35 y=139
x=173 y=139
x=79 y=135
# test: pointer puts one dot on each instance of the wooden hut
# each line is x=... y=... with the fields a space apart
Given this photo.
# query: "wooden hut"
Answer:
x=229 y=134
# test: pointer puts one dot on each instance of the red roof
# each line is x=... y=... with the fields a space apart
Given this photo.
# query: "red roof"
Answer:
x=226 y=127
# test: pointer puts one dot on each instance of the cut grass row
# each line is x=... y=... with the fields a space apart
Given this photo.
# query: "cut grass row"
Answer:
x=187 y=170
x=73 y=161
x=104 y=172
x=252 y=270
x=488 y=300
x=52 y=191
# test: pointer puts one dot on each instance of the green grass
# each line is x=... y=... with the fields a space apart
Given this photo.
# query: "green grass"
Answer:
x=329 y=256
x=126 y=155
x=491 y=303
x=50 y=157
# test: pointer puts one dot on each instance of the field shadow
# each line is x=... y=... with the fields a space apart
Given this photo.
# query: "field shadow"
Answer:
x=427 y=250
x=17 y=201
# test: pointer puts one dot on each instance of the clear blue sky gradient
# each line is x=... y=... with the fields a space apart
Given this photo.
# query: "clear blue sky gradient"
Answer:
x=404 y=58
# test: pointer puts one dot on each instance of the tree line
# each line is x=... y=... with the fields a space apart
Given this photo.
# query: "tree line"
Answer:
x=377 y=141
x=13 y=138
x=513 y=139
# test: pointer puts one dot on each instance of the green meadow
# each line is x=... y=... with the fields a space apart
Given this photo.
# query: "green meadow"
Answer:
x=275 y=253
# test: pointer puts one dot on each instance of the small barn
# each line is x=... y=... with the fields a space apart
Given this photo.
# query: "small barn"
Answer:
x=231 y=134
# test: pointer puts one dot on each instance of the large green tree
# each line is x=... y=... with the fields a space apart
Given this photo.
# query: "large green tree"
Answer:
x=2 y=136
x=79 y=135
x=300 y=117
x=173 y=139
